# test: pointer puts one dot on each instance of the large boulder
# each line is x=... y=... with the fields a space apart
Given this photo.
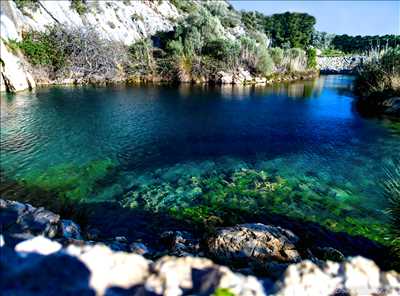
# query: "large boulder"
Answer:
x=255 y=242
x=198 y=276
x=225 y=77
x=355 y=276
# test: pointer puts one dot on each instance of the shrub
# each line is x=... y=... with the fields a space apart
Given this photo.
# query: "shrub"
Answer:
x=229 y=18
x=295 y=60
x=141 y=54
x=248 y=51
x=27 y=4
x=175 y=47
x=223 y=50
x=42 y=49
x=311 y=58
x=264 y=64
x=184 y=5
x=79 y=6
x=78 y=51
x=380 y=75
x=276 y=55
x=329 y=52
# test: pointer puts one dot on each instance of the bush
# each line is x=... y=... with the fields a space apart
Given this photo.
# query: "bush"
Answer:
x=295 y=60
x=27 y=4
x=312 y=58
x=329 y=52
x=141 y=57
x=42 y=49
x=276 y=55
x=78 y=51
x=79 y=6
x=380 y=76
x=184 y=5
x=223 y=50
x=264 y=64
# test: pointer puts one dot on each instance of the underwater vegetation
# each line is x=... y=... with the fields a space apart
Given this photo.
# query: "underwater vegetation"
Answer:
x=392 y=192
x=212 y=198
x=69 y=181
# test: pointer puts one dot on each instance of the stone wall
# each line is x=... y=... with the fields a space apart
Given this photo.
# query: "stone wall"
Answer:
x=339 y=65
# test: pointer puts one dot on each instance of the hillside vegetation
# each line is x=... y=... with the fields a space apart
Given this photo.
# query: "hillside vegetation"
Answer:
x=210 y=41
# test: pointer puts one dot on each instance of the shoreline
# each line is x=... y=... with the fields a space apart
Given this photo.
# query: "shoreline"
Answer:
x=35 y=237
x=273 y=79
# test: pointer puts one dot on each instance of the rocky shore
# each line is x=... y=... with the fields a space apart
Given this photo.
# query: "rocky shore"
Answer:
x=389 y=106
x=39 y=250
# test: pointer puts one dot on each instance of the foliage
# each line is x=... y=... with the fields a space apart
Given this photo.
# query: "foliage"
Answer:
x=42 y=49
x=296 y=29
x=27 y=4
x=223 y=50
x=276 y=55
x=141 y=57
x=223 y=292
x=311 y=58
x=78 y=51
x=184 y=5
x=295 y=60
x=362 y=44
x=332 y=53
x=80 y=6
x=380 y=76
x=228 y=16
x=264 y=64
x=253 y=20
x=322 y=40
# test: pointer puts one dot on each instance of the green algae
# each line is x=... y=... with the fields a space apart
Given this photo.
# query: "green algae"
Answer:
x=223 y=292
x=69 y=181
x=212 y=198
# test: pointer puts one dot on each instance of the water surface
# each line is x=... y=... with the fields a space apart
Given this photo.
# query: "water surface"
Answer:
x=144 y=145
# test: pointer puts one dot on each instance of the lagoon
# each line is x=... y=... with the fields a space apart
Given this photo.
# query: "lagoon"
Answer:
x=298 y=149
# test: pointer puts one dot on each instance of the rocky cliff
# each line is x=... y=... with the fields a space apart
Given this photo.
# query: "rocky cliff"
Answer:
x=122 y=21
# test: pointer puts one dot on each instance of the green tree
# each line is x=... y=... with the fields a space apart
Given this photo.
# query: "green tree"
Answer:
x=296 y=29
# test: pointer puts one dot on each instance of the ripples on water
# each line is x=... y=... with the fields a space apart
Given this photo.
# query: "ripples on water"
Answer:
x=306 y=132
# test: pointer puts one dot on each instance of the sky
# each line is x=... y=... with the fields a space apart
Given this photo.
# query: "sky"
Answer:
x=339 y=17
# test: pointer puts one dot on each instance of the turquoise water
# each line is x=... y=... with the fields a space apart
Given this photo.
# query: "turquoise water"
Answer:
x=298 y=149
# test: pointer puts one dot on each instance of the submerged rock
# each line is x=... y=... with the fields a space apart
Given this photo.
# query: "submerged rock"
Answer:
x=257 y=242
x=180 y=243
x=69 y=229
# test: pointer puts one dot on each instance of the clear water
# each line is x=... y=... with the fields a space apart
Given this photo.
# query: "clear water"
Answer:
x=157 y=138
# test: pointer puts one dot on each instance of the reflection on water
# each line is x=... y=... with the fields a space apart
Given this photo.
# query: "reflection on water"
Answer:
x=171 y=143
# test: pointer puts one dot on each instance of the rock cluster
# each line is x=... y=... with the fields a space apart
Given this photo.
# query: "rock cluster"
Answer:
x=40 y=266
x=67 y=265
x=21 y=221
